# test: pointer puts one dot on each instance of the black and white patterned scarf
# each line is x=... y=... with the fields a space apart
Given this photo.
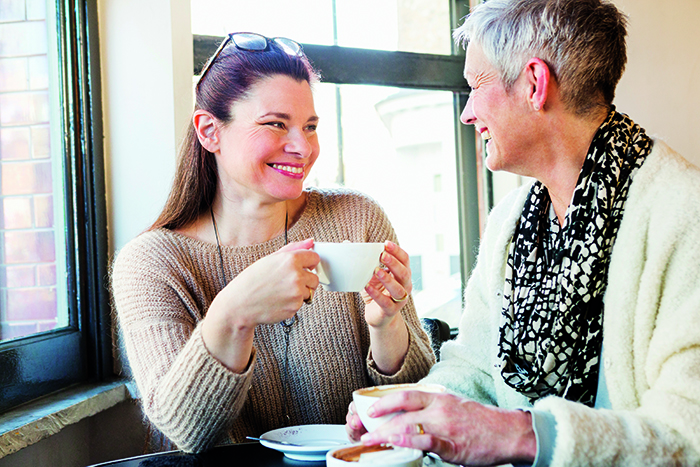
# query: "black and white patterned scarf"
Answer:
x=552 y=323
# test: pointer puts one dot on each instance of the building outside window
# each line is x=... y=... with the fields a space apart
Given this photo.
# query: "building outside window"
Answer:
x=53 y=302
x=31 y=227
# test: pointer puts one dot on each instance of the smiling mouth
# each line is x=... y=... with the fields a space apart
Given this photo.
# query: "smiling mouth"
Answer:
x=287 y=168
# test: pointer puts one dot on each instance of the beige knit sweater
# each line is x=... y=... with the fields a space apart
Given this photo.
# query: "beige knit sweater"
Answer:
x=163 y=284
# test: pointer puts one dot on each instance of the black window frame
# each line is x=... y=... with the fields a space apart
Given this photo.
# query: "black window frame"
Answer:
x=347 y=65
x=43 y=363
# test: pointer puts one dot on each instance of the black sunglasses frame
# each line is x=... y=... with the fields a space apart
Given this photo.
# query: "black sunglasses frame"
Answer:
x=287 y=45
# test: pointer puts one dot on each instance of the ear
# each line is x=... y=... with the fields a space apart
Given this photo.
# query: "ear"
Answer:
x=207 y=130
x=538 y=76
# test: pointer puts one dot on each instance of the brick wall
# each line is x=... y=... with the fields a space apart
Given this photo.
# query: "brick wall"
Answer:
x=27 y=247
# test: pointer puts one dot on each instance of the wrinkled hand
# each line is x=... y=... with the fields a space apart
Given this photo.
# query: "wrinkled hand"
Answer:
x=353 y=424
x=274 y=288
x=380 y=309
x=458 y=430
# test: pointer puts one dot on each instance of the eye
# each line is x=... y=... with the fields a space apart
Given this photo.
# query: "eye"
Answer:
x=279 y=125
x=312 y=127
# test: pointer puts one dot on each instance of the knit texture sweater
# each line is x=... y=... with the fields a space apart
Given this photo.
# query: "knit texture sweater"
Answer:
x=651 y=328
x=164 y=282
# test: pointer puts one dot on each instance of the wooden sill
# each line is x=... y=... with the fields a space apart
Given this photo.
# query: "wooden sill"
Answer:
x=37 y=420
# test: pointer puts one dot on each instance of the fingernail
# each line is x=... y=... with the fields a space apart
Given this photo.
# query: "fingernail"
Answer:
x=370 y=411
x=366 y=438
x=379 y=272
x=386 y=258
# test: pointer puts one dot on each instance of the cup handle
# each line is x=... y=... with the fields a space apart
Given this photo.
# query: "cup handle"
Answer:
x=322 y=277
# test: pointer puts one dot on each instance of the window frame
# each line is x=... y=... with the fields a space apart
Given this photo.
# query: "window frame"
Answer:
x=348 y=65
x=39 y=364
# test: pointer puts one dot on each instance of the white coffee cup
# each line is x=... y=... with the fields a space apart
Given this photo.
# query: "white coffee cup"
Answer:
x=365 y=397
x=347 y=267
x=384 y=456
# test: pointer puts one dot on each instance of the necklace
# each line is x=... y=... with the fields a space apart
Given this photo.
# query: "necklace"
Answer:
x=286 y=324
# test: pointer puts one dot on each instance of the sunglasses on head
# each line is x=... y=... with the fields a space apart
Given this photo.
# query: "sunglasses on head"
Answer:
x=252 y=42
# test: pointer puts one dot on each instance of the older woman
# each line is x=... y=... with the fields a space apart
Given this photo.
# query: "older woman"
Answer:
x=223 y=331
x=584 y=308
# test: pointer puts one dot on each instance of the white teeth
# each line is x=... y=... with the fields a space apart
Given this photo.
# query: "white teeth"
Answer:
x=287 y=168
x=485 y=135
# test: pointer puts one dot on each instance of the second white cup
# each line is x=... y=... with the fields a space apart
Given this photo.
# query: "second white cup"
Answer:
x=365 y=397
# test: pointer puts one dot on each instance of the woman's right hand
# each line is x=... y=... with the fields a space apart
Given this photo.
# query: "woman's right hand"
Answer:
x=268 y=291
x=353 y=425
x=273 y=288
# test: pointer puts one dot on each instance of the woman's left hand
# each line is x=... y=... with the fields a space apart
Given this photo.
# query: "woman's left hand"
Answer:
x=384 y=296
x=388 y=291
x=458 y=430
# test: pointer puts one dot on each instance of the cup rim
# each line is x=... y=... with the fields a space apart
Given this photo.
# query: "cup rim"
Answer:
x=409 y=387
x=348 y=244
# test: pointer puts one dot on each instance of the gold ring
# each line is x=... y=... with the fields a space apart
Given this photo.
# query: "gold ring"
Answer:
x=311 y=297
x=405 y=296
x=421 y=431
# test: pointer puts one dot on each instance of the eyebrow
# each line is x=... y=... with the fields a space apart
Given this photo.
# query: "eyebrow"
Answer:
x=286 y=116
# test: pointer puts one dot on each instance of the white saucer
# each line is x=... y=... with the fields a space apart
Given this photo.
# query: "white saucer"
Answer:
x=315 y=441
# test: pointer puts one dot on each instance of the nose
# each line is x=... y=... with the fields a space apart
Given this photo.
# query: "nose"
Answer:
x=467 y=117
x=298 y=144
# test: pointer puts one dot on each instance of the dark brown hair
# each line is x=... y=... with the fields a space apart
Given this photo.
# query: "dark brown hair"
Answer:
x=228 y=80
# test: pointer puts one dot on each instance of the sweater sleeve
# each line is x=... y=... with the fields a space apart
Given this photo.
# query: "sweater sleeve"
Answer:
x=186 y=393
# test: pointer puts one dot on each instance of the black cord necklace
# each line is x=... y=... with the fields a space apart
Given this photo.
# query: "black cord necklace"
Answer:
x=286 y=324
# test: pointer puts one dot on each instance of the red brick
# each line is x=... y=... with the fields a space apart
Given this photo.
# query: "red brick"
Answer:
x=38 y=72
x=47 y=325
x=13 y=74
x=31 y=304
x=15 y=109
x=23 y=39
x=41 y=141
x=15 y=143
x=19 y=276
x=46 y=274
x=36 y=9
x=24 y=108
x=12 y=10
x=16 y=213
x=22 y=247
x=22 y=178
x=43 y=211
x=40 y=110
x=13 y=331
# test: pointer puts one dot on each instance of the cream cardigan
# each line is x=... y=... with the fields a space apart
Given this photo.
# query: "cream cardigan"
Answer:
x=651 y=330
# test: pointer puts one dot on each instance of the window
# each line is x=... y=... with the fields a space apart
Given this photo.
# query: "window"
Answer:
x=54 y=311
x=389 y=104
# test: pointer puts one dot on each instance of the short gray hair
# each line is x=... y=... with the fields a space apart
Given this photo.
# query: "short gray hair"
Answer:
x=582 y=41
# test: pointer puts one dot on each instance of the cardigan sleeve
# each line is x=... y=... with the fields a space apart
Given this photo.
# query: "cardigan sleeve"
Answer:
x=186 y=393
x=651 y=332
